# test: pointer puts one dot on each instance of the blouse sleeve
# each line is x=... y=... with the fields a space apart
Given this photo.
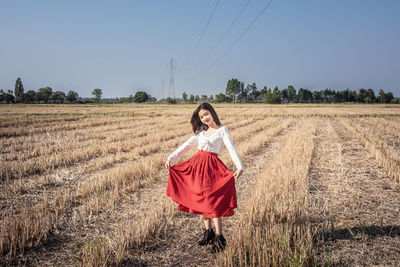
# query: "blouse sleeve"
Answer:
x=231 y=148
x=180 y=151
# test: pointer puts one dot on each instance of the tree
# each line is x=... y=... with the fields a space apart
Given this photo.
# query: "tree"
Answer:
x=291 y=94
x=328 y=95
x=304 y=96
x=44 y=94
x=243 y=92
x=389 y=97
x=219 y=98
x=203 y=98
x=263 y=92
x=254 y=94
x=317 y=96
x=171 y=100
x=368 y=100
x=272 y=97
x=277 y=93
x=60 y=96
x=72 y=96
x=97 y=94
x=191 y=99
x=53 y=97
x=30 y=96
x=197 y=98
x=360 y=95
x=349 y=96
x=7 y=97
x=140 y=97
x=184 y=97
x=19 y=90
x=371 y=95
x=385 y=97
x=285 y=95
x=233 y=88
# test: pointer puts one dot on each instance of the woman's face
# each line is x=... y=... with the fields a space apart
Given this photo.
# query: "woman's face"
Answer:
x=206 y=117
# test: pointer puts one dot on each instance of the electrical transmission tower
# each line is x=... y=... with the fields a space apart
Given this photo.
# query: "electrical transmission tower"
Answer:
x=172 y=65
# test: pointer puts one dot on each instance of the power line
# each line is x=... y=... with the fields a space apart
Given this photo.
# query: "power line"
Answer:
x=201 y=35
x=238 y=39
x=225 y=33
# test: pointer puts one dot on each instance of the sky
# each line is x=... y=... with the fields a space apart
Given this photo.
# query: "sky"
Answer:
x=126 y=46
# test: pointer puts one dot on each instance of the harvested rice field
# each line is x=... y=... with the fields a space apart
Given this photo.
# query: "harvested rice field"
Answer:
x=84 y=185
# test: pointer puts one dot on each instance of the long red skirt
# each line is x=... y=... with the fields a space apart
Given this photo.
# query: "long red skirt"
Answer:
x=203 y=185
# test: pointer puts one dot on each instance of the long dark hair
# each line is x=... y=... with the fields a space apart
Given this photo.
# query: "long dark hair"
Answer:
x=197 y=125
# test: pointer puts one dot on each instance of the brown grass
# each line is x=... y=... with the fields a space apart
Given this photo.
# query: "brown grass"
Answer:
x=67 y=166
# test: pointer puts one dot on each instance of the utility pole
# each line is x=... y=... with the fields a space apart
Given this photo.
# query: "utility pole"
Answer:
x=172 y=65
x=161 y=91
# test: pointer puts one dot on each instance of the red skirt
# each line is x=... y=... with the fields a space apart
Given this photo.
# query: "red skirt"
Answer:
x=203 y=185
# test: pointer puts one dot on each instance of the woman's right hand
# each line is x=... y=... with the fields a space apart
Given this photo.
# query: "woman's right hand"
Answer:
x=237 y=173
x=167 y=164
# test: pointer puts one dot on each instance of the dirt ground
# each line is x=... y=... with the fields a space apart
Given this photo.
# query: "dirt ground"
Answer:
x=355 y=205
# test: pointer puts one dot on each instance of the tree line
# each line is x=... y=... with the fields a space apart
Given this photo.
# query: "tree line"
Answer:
x=43 y=95
x=47 y=95
x=235 y=92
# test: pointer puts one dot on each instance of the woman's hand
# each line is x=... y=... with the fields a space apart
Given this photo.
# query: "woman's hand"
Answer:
x=167 y=164
x=237 y=173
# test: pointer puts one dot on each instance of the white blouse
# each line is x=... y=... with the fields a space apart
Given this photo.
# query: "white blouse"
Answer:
x=212 y=142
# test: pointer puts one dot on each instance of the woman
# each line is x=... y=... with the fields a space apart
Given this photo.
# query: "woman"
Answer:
x=203 y=184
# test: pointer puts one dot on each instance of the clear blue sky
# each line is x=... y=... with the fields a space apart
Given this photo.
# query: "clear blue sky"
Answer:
x=124 y=46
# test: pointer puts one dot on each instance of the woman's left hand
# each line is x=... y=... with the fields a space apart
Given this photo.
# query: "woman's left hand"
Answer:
x=237 y=173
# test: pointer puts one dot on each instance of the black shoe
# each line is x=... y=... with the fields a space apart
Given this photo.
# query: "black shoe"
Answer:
x=219 y=244
x=208 y=237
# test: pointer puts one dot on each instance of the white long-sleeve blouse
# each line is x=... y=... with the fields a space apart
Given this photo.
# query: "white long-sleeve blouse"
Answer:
x=212 y=142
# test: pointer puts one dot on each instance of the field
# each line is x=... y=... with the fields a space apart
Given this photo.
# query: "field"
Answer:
x=85 y=185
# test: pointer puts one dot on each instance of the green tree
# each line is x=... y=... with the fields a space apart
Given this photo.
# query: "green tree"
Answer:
x=140 y=97
x=317 y=96
x=389 y=97
x=254 y=94
x=272 y=97
x=263 y=92
x=191 y=99
x=53 y=97
x=44 y=94
x=285 y=95
x=233 y=88
x=383 y=97
x=368 y=100
x=371 y=95
x=219 y=98
x=291 y=94
x=60 y=96
x=72 y=96
x=360 y=95
x=184 y=97
x=30 y=96
x=243 y=92
x=171 y=100
x=18 y=90
x=197 y=98
x=7 y=97
x=97 y=93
